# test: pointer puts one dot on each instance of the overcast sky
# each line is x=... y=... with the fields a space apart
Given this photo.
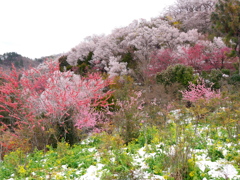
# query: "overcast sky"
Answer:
x=36 y=28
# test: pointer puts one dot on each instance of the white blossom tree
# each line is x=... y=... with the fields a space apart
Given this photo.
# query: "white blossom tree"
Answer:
x=139 y=39
x=192 y=14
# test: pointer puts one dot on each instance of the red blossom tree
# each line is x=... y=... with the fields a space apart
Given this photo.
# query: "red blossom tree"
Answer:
x=201 y=58
x=160 y=60
x=10 y=97
x=218 y=59
x=41 y=99
x=194 y=56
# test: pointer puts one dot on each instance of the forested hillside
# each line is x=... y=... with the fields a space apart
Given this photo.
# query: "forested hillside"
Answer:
x=12 y=58
x=156 y=99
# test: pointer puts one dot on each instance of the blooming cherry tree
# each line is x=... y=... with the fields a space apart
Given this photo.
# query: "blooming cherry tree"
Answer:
x=116 y=68
x=140 y=38
x=191 y=14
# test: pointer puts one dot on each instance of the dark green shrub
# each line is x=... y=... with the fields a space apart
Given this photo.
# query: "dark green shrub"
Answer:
x=215 y=77
x=63 y=64
x=83 y=65
x=128 y=58
x=176 y=74
x=226 y=71
x=234 y=79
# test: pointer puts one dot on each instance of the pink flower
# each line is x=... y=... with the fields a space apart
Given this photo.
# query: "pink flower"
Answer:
x=199 y=91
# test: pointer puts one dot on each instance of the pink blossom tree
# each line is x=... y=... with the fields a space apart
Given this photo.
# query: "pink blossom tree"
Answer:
x=198 y=97
x=199 y=91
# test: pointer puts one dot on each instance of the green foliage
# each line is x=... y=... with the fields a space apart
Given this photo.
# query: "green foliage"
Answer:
x=11 y=55
x=128 y=58
x=63 y=64
x=194 y=172
x=12 y=163
x=67 y=131
x=157 y=163
x=170 y=160
x=118 y=163
x=148 y=135
x=18 y=63
x=121 y=86
x=225 y=71
x=129 y=118
x=41 y=164
x=237 y=160
x=235 y=79
x=176 y=74
x=215 y=77
x=12 y=58
x=214 y=153
x=83 y=65
x=226 y=19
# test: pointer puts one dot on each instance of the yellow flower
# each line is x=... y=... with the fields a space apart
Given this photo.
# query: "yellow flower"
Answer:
x=191 y=161
x=155 y=140
x=165 y=176
x=21 y=170
x=58 y=161
x=191 y=174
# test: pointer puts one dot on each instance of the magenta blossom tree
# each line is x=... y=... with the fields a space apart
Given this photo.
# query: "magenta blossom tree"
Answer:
x=201 y=57
x=160 y=60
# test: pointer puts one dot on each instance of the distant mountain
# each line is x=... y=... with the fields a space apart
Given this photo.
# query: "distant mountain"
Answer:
x=7 y=59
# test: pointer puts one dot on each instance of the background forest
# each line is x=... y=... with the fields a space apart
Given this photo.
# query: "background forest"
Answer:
x=156 y=99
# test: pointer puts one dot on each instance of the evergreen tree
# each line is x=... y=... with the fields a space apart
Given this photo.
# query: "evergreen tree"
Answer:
x=226 y=20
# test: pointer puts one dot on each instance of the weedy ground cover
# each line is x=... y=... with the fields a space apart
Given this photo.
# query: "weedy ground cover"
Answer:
x=182 y=149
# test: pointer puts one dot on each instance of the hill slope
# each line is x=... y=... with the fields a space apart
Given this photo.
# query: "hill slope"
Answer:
x=7 y=59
